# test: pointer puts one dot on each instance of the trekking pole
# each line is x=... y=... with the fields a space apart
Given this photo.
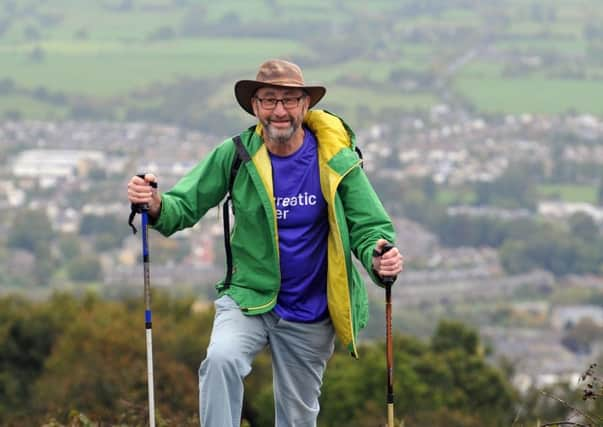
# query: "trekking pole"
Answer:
x=143 y=210
x=388 y=282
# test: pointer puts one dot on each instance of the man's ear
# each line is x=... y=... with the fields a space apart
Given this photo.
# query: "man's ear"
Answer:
x=306 y=101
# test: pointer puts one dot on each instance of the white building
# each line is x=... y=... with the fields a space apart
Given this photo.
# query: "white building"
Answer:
x=54 y=164
x=565 y=210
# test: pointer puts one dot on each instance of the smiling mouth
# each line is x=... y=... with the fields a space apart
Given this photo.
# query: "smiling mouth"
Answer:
x=280 y=123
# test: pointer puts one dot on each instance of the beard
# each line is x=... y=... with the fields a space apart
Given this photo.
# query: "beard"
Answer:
x=281 y=135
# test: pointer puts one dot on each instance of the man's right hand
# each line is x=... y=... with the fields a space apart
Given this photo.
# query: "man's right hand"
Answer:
x=140 y=191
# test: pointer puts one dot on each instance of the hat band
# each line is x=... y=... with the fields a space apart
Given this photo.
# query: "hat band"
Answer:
x=283 y=83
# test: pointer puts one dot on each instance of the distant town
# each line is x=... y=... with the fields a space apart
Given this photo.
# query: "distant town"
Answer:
x=73 y=172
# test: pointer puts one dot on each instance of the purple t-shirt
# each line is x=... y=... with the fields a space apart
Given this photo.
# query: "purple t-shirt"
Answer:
x=303 y=227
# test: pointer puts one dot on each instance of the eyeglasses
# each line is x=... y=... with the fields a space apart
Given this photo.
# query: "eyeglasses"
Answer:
x=288 y=102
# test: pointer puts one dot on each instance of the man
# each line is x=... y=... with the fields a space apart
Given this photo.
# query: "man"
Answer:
x=303 y=205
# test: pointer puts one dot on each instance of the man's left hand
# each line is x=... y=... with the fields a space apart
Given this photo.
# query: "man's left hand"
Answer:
x=389 y=264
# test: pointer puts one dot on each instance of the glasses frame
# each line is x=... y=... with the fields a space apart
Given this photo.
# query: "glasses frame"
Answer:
x=282 y=100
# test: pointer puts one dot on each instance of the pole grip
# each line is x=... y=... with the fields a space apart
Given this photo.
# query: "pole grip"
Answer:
x=138 y=208
x=143 y=207
x=387 y=280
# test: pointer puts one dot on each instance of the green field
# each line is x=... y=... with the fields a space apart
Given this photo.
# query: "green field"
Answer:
x=377 y=56
x=110 y=68
x=565 y=193
x=447 y=197
x=11 y=105
x=569 y=193
x=533 y=95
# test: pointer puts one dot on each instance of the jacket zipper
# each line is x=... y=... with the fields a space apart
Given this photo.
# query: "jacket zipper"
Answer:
x=259 y=307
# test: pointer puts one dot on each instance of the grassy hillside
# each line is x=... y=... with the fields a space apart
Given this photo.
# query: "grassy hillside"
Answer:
x=131 y=58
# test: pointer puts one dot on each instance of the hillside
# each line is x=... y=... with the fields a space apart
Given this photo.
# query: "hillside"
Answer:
x=175 y=60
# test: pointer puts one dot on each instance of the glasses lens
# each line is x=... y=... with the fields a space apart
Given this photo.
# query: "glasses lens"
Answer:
x=288 y=102
x=268 y=102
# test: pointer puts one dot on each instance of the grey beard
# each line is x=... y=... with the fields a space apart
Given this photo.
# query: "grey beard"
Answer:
x=281 y=137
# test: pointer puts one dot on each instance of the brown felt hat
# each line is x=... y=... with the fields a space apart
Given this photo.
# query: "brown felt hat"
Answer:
x=275 y=73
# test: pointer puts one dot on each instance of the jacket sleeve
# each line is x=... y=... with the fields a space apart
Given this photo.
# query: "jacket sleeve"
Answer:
x=366 y=218
x=200 y=189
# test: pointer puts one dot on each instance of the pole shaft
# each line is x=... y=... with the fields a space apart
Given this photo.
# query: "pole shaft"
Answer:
x=146 y=260
x=148 y=316
x=150 y=377
x=389 y=355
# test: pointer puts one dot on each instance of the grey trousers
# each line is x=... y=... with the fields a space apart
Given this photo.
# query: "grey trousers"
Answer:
x=300 y=352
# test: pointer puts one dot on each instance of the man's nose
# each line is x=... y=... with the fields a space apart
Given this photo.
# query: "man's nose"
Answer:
x=280 y=107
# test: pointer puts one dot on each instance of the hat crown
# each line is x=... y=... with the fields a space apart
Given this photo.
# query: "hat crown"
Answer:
x=276 y=73
x=279 y=72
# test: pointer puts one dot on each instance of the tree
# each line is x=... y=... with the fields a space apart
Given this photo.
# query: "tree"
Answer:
x=600 y=193
x=107 y=241
x=513 y=259
x=28 y=333
x=30 y=229
x=450 y=376
x=193 y=23
x=582 y=226
x=37 y=54
x=579 y=338
x=85 y=268
x=450 y=335
x=93 y=224
x=515 y=188
x=45 y=263
x=84 y=357
x=98 y=366
x=7 y=86
x=69 y=245
x=554 y=248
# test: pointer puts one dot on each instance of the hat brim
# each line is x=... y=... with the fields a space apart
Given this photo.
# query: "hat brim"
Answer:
x=245 y=89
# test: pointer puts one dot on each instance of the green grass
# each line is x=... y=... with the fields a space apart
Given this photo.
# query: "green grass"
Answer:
x=115 y=56
x=366 y=69
x=98 y=23
x=481 y=69
x=448 y=197
x=109 y=68
x=569 y=193
x=516 y=96
x=564 y=46
x=462 y=16
x=35 y=109
x=566 y=193
x=550 y=29
x=375 y=100
x=571 y=295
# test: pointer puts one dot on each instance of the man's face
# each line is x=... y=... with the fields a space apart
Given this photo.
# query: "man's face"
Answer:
x=280 y=111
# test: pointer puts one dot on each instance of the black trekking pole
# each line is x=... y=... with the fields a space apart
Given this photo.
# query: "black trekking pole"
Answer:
x=143 y=210
x=388 y=282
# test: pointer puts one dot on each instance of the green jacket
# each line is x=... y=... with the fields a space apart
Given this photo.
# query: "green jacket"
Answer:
x=357 y=220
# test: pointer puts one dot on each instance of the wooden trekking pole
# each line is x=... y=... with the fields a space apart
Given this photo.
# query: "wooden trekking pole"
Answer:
x=388 y=282
x=389 y=353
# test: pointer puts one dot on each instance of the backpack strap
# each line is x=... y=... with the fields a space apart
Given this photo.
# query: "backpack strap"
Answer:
x=241 y=155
